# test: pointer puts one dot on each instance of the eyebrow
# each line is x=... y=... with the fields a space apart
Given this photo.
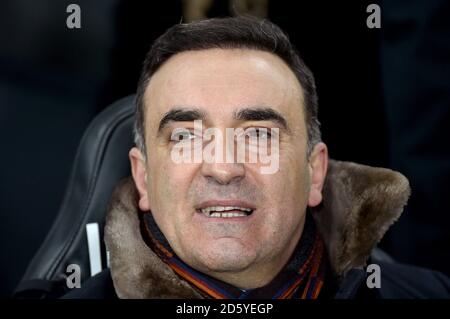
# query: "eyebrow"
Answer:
x=180 y=115
x=261 y=114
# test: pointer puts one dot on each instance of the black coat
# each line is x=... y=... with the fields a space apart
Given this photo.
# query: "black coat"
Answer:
x=398 y=281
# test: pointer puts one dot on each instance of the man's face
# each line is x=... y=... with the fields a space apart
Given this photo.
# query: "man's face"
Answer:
x=217 y=85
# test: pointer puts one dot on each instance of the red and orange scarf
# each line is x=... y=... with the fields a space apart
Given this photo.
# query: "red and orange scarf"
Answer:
x=302 y=277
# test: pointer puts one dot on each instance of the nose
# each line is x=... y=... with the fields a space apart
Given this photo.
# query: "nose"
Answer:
x=223 y=173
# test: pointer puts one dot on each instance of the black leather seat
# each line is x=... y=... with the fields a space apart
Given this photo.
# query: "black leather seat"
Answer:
x=101 y=161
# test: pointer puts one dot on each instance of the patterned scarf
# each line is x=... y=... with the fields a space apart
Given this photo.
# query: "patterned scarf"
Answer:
x=302 y=277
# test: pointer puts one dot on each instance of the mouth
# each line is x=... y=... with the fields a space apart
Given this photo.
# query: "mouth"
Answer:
x=225 y=210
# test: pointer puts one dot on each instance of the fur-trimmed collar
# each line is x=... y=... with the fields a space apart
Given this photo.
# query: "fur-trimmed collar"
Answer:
x=359 y=204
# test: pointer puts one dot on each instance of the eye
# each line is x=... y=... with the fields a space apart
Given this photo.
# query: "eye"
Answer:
x=264 y=133
x=179 y=135
x=259 y=132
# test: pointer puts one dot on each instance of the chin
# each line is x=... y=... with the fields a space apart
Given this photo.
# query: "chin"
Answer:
x=226 y=255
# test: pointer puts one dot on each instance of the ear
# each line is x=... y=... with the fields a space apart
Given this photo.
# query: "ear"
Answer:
x=318 y=164
x=139 y=172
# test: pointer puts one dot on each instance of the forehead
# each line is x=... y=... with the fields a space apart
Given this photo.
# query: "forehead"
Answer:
x=220 y=81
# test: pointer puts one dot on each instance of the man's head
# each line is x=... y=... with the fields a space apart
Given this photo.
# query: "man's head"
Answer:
x=229 y=73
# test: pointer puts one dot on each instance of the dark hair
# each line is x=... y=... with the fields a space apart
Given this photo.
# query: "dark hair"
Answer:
x=228 y=33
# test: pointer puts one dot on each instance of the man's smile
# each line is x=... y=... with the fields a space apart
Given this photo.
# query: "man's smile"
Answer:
x=220 y=209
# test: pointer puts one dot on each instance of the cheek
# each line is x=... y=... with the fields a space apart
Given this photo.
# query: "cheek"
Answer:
x=168 y=187
x=294 y=173
x=168 y=182
x=287 y=190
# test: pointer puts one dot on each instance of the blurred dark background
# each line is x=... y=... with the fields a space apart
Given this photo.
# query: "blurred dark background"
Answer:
x=384 y=101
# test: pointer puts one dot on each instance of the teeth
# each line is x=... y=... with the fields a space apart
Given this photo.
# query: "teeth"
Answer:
x=226 y=215
x=217 y=211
